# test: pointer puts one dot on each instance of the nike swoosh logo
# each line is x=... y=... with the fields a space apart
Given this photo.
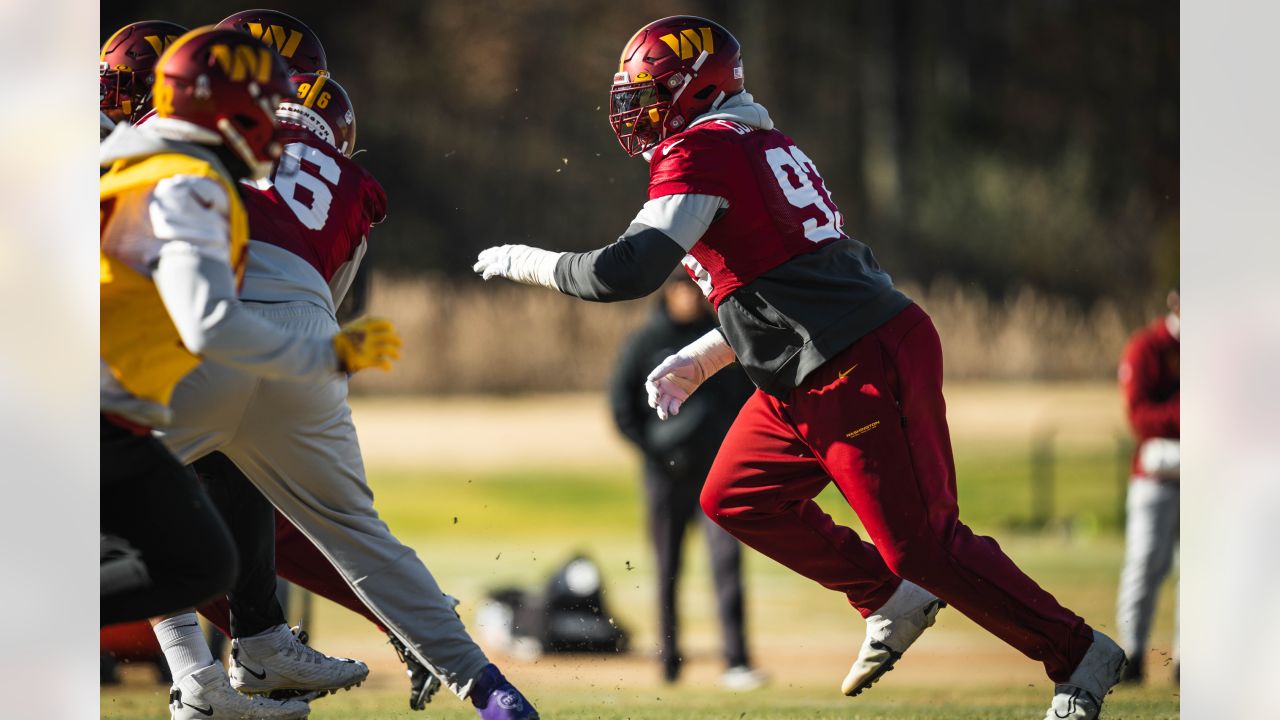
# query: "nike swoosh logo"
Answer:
x=846 y=372
x=667 y=148
x=203 y=711
x=190 y=625
x=261 y=676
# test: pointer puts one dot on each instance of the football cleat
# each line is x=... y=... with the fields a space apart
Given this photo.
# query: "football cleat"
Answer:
x=206 y=693
x=1080 y=698
x=497 y=699
x=422 y=683
x=890 y=631
x=280 y=660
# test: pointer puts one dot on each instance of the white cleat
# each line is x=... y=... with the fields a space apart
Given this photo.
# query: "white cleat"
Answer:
x=890 y=631
x=280 y=660
x=1080 y=698
x=207 y=693
x=741 y=678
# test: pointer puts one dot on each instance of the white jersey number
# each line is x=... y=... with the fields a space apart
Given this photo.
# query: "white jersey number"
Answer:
x=315 y=213
x=805 y=194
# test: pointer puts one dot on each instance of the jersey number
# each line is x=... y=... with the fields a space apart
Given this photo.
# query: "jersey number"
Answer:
x=806 y=192
x=313 y=214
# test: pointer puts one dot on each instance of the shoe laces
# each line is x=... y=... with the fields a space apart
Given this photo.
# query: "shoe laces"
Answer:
x=300 y=650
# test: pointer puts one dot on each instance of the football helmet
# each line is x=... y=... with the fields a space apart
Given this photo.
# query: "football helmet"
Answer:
x=126 y=67
x=671 y=71
x=222 y=87
x=286 y=34
x=323 y=107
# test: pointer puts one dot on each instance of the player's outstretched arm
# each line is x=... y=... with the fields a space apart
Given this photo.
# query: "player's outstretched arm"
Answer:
x=634 y=266
x=675 y=379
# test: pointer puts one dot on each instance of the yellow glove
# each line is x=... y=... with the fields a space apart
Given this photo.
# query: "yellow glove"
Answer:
x=365 y=343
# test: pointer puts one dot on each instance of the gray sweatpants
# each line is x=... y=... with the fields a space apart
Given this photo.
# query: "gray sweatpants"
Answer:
x=296 y=442
x=1151 y=540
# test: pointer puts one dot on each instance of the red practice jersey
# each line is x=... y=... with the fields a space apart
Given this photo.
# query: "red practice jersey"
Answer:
x=1149 y=379
x=778 y=205
x=791 y=290
x=319 y=206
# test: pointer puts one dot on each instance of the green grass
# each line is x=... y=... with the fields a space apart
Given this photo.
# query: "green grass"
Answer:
x=518 y=526
x=687 y=703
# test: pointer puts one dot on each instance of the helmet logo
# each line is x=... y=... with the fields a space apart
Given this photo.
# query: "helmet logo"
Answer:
x=246 y=61
x=159 y=43
x=285 y=42
x=690 y=43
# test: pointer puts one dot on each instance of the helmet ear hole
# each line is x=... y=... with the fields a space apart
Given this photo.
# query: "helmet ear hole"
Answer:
x=245 y=121
x=705 y=92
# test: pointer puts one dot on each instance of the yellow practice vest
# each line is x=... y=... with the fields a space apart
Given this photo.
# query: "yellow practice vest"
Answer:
x=139 y=341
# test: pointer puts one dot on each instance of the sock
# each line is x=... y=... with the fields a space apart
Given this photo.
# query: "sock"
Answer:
x=486 y=682
x=266 y=642
x=184 y=646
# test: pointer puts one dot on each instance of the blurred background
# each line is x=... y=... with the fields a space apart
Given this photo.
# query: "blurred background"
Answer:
x=1014 y=166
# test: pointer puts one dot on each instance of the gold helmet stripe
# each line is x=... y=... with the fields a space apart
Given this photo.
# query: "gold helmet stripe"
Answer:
x=314 y=93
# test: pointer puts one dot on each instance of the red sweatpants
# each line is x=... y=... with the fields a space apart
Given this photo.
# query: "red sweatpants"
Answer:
x=873 y=420
x=300 y=562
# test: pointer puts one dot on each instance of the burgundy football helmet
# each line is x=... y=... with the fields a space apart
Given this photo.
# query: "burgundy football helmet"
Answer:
x=672 y=71
x=226 y=82
x=126 y=67
x=323 y=107
x=286 y=34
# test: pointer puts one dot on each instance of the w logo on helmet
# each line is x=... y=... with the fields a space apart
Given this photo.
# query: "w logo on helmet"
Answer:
x=243 y=62
x=160 y=42
x=284 y=41
x=690 y=42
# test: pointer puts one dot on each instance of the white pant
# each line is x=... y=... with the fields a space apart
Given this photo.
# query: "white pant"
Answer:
x=1151 y=539
x=296 y=442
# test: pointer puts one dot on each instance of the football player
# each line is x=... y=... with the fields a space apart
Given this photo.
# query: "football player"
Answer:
x=1149 y=379
x=126 y=70
x=128 y=58
x=173 y=244
x=848 y=369
x=297 y=443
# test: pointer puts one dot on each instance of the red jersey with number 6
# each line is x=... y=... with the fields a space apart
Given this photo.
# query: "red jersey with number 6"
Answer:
x=791 y=289
x=318 y=207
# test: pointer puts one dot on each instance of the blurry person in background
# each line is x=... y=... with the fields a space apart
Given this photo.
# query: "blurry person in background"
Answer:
x=677 y=456
x=1149 y=380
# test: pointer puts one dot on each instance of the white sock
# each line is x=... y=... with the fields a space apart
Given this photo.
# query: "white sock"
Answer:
x=183 y=645
x=266 y=642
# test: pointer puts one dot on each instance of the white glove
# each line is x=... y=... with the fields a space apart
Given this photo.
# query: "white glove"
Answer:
x=520 y=263
x=1159 y=458
x=675 y=379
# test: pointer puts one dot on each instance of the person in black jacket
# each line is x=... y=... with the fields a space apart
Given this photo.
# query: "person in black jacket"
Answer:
x=677 y=455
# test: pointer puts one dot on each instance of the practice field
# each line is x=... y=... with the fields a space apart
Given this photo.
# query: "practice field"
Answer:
x=501 y=492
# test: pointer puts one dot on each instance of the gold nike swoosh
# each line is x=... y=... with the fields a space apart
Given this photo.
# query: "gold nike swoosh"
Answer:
x=846 y=372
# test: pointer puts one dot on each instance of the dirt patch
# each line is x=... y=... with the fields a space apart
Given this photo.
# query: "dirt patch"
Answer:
x=576 y=430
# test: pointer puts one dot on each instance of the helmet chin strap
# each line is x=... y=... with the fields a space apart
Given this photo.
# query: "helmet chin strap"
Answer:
x=688 y=78
x=258 y=169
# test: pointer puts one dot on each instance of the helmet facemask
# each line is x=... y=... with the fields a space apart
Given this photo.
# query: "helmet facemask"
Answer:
x=116 y=92
x=253 y=139
x=638 y=112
